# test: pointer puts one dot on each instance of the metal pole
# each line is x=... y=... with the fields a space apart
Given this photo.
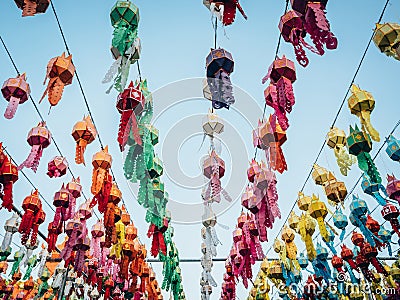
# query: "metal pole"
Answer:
x=62 y=289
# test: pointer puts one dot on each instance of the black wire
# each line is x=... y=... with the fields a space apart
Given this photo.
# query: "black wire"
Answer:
x=337 y=114
x=41 y=118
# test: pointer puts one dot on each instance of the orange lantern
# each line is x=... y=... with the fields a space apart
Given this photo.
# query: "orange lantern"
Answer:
x=83 y=133
x=60 y=72
x=32 y=206
x=8 y=176
x=32 y=7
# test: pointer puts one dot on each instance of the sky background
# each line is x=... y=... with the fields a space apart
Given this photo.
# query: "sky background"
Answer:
x=176 y=37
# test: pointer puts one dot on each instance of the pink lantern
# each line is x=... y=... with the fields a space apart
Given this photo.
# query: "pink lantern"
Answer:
x=15 y=91
x=393 y=187
x=39 y=138
x=57 y=167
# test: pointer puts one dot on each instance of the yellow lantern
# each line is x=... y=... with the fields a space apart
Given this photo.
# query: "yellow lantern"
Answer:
x=387 y=38
x=361 y=104
x=319 y=211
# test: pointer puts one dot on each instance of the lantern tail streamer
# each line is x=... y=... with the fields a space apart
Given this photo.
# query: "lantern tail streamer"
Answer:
x=32 y=161
x=285 y=94
x=276 y=157
x=365 y=120
x=55 y=91
x=11 y=108
x=344 y=160
x=7 y=195
x=366 y=164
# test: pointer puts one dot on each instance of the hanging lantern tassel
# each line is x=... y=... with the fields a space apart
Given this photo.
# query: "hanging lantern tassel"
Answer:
x=359 y=144
x=39 y=138
x=317 y=25
x=336 y=140
x=130 y=104
x=158 y=243
x=60 y=72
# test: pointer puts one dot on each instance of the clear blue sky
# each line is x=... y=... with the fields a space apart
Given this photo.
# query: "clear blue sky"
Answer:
x=176 y=37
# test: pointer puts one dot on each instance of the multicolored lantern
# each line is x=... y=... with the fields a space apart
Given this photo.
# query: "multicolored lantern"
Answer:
x=219 y=65
x=336 y=140
x=279 y=94
x=359 y=144
x=386 y=38
x=8 y=176
x=83 y=133
x=361 y=104
x=393 y=148
x=57 y=167
x=16 y=91
x=39 y=138
x=32 y=7
x=60 y=71
x=225 y=10
x=130 y=104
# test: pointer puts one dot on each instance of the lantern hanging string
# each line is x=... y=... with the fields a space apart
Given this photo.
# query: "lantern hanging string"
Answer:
x=42 y=119
x=336 y=117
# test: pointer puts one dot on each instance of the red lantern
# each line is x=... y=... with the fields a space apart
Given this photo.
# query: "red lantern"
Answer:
x=32 y=206
x=60 y=72
x=279 y=94
x=15 y=91
x=57 y=167
x=39 y=138
x=130 y=104
x=393 y=187
x=8 y=176
x=32 y=7
x=158 y=243
x=391 y=213
x=348 y=255
x=225 y=10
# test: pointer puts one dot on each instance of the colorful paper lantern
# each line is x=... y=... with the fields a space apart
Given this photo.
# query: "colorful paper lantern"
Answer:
x=225 y=10
x=32 y=7
x=359 y=144
x=83 y=133
x=393 y=187
x=362 y=103
x=16 y=91
x=219 y=65
x=393 y=148
x=130 y=104
x=57 y=167
x=39 y=138
x=279 y=94
x=386 y=38
x=60 y=72
x=8 y=176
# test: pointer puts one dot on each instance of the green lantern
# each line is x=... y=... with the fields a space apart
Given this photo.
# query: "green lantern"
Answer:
x=359 y=144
